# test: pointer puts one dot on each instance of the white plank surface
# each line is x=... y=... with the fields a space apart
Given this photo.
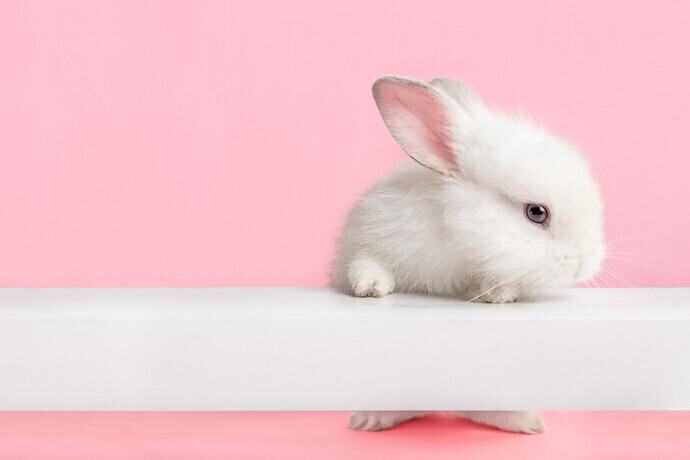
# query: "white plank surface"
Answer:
x=318 y=349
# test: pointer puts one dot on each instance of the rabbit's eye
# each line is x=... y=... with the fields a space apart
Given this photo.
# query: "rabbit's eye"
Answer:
x=537 y=213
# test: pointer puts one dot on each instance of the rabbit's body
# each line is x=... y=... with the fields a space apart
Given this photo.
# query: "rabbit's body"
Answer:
x=401 y=236
x=387 y=236
x=494 y=207
x=387 y=245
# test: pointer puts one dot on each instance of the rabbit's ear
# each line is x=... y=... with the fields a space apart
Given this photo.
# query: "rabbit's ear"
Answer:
x=416 y=114
x=461 y=94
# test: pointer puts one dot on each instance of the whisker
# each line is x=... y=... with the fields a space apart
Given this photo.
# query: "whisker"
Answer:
x=601 y=278
x=616 y=275
x=503 y=285
x=483 y=293
x=585 y=283
x=667 y=257
x=633 y=235
x=631 y=260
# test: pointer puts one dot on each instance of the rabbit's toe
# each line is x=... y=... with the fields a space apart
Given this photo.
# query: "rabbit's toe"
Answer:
x=380 y=420
x=368 y=279
x=370 y=288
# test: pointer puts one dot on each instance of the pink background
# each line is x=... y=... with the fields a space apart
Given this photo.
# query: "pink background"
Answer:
x=221 y=143
x=204 y=143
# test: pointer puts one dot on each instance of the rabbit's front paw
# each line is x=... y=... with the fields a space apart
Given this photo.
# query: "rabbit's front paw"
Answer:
x=480 y=294
x=370 y=288
x=368 y=279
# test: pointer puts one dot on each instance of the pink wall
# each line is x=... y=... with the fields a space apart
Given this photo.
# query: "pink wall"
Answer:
x=220 y=143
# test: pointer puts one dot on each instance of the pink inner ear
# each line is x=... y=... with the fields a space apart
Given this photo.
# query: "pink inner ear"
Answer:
x=418 y=121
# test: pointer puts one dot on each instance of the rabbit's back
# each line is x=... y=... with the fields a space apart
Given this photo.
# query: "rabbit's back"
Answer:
x=399 y=223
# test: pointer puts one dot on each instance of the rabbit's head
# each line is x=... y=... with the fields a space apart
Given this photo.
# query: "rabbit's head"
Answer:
x=519 y=203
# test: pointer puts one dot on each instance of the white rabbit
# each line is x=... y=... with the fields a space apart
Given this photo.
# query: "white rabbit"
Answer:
x=491 y=208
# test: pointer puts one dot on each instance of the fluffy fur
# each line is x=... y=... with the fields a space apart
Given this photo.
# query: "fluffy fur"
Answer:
x=453 y=221
x=457 y=226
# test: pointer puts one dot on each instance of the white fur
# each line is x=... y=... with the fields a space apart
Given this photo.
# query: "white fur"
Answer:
x=453 y=221
x=461 y=229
